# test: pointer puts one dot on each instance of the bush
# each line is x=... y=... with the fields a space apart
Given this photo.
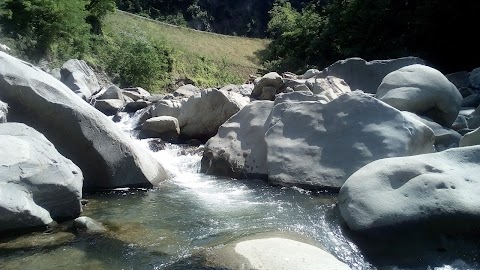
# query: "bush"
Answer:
x=140 y=63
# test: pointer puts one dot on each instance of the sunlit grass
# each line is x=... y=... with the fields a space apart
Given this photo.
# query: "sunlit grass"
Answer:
x=210 y=60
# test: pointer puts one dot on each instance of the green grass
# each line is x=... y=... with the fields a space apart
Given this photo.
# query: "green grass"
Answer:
x=210 y=60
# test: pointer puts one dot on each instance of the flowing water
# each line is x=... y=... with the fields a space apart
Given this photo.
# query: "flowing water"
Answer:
x=169 y=227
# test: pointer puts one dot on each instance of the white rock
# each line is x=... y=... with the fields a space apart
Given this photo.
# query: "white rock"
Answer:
x=471 y=138
x=79 y=77
x=167 y=107
x=3 y=112
x=270 y=83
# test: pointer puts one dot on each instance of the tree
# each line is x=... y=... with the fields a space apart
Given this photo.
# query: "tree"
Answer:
x=41 y=25
x=98 y=9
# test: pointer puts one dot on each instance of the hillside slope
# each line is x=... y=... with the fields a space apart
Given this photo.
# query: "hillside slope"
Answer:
x=207 y=59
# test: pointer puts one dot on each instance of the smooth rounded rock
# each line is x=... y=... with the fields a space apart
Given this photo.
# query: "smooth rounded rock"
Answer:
x=267 y=86
x=471 y=138
x=109 y=106
x=426 y=193
x=422 y=90
x=88 y=225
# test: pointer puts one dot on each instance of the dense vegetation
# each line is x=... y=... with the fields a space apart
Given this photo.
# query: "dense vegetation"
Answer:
x=320 y=33
x=132 y=51
x=232 y=17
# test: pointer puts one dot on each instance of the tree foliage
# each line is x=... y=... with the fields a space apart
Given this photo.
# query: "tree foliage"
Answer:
x=375 y=29
x=39 y=25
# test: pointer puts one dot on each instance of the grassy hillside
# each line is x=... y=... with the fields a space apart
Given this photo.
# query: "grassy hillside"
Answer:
x=207 y=59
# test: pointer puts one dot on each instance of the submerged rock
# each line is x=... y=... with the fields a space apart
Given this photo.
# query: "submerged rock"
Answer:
x=37 y=184
x=88 y=225
x=273 y=253
x=107 y=157
x=432 y=192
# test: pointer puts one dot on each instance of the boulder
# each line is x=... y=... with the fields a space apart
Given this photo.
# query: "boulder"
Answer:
x=299 y=96
x=244 y=90
x=136 y=105
x=422 y=90
x=239 y=149
x=201 y=115
x=136 y=93
x=444 y=137
x=471 y=101
x=88 y=225
x=164 y=127
x=3 y=112
x=460 y=123
x=465 y=91
x=363 y=75
x=273 y=253
x=167 y=107
x=475 y=78
x=109 y=106
x=38 y=184
x=426 y=193
x=107 y=157
x=473 y=119
x=79 y=77
x=186 y=91
x=309 y=74
x=318 y=146
x=267 y=86
x=111 y=92
x=459 y=79
x=330 y=87
x=471 y=138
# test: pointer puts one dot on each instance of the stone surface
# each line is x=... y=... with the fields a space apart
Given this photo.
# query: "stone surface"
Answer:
x=317 y=146
x=309 y=74
x=459 y=79
x=136 y=93
x=475 y=78
x=299 y=96
x=186 y=91
x=421 y=90
x=111 y=92
x=363 y=75
x=107 y=157
x=37 y=185
x=471 y=138
x=239 y=149
x=432 y=192
x=136 y=105
x=444 y=137
x=330 y=87
x=88 y=225
x=460 y=123
x=244 y=90
x=274 y=253
x=167 y=107
x=471 y=101
x=201 y=115
x=3 y=112
x=109 y=106
x=267 y=86
x=79 y=77
x=164 y=127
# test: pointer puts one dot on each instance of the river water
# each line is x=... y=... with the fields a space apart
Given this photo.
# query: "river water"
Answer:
x=169 y=227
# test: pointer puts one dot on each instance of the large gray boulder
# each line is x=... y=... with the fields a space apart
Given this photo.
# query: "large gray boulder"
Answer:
x=363 y=75
x=422 y=90
x=202 y=114
x=318 y=146
x=239 y=149
x=107 y=157
x=3 y=112
x=109 y=106
x=433 y=192
x=111 y=92
x=186 y=91
x=37 y=185
x=79 y=77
